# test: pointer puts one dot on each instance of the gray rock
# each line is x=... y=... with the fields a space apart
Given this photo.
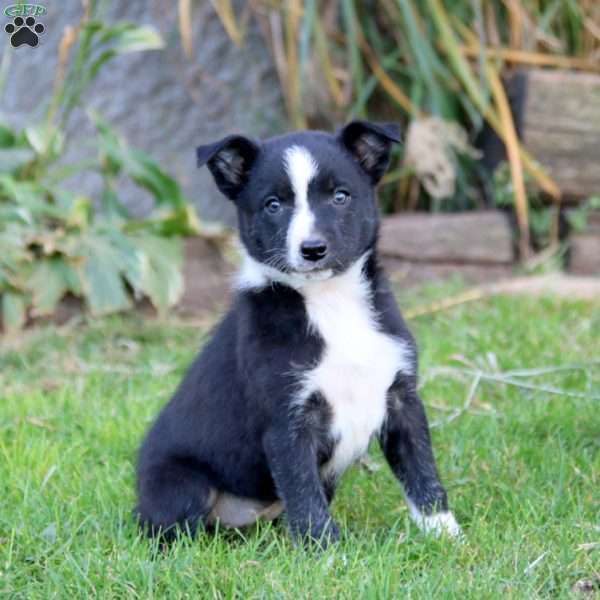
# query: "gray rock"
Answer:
x=161 y=101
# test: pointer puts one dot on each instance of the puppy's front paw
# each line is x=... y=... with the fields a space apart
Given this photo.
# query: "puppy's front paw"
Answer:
x=442 y=523
x=437 y=524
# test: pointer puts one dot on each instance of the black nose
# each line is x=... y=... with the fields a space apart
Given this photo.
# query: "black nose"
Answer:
x=313 y=250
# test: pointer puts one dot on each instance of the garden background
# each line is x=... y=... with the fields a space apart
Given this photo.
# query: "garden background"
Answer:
x=116 y=255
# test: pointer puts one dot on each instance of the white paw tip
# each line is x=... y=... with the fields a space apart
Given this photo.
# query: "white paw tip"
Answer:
x=438 y=524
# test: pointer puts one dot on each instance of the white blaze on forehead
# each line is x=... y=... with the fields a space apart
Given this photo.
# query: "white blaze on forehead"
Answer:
x=301 y=168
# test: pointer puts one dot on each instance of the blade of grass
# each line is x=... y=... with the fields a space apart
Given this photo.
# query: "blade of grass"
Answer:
x=323 y=52
x=545 y=19
x=592 y=27
x=353 y=34
x=514 y=160
x=185 y=26
x=515 y=23
x=276 y=40
x=67 y=41
x=537 y=59
x=224 y=10
x=370 y=86
x=424 y=26
x=425 y=58
x=397 y=175
x=306 y=29
x=491 y=24
x=292 y=20
x=479 y=31
x=360 y=104
x=387 y=83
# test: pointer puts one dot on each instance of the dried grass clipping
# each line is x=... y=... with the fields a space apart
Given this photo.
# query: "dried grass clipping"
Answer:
x=431 y=145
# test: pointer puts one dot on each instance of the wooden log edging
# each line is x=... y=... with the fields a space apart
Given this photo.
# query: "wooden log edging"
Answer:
x=584 y=254
x=477 y=238
x=561 y=128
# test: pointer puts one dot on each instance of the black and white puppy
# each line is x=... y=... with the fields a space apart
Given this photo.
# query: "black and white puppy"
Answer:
x=312 y=360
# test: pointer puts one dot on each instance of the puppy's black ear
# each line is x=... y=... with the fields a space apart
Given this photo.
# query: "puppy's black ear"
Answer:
x=370 y=144
x=229 y=160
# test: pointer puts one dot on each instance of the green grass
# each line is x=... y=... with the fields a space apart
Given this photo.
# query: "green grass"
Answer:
x=522 y=468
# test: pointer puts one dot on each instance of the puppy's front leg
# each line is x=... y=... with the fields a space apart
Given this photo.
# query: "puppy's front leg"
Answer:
x=291 y=455
x=407 y=446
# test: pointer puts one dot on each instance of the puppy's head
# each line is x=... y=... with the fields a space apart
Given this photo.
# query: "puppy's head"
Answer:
x=306 y=200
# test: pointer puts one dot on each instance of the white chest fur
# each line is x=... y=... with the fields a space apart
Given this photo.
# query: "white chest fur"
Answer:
x=358 y=365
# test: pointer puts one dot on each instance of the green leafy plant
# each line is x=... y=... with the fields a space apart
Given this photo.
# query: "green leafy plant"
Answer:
x=56 y=242
x=579 y=217
x=542 y=217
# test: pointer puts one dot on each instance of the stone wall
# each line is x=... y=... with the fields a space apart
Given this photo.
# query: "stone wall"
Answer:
x=163 y=102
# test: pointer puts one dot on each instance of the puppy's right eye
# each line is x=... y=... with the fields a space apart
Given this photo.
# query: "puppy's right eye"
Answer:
x=272 y=205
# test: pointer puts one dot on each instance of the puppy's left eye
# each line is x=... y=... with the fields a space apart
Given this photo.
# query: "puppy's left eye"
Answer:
x=272 y=205
x=340 y=197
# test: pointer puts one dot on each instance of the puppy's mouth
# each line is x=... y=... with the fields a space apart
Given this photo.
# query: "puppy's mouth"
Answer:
x=315 y=274
x=312 y=273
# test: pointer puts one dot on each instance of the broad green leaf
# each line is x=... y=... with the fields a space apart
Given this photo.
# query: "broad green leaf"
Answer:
x=146 y=173
x=34 y=198
x=182 y=221
x=61 y=172
x=593 y=202
x=22 y=192
x=14 y=247
x=12 y=159
x=102 y=281
x=131 y=259
x=50 y=280
x=80 y=213
x=14 y=310
x=162 y=280
x=14 y=213
x=577 y=220
x=75 y=210
x=7 y=136
x=4 y=279
x=112 y=207
x=32 y=202
x=45 y=139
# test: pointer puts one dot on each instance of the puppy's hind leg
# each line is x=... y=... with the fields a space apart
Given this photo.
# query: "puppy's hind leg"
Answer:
x=173 y=495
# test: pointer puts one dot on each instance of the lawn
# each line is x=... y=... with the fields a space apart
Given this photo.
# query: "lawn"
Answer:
x=518 y=450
